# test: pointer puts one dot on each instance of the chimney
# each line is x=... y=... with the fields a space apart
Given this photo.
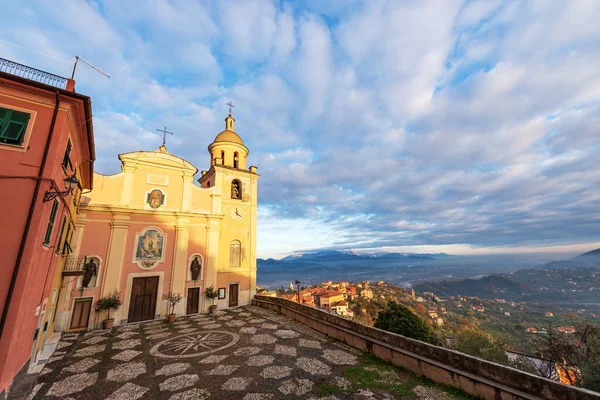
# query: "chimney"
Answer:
x=70 y=85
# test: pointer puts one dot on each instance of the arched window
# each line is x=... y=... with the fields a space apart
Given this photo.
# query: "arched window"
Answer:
x=222 y=157
x=236 y=189
x=235 y=254
x=236 y=160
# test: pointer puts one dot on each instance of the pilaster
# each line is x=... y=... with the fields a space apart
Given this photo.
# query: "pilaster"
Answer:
x=180 y=260
x=188 y=185
x=213 y=230
x=119 y=229
x=127 y=189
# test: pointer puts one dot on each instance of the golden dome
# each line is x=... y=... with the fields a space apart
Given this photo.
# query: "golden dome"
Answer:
x=229 y=136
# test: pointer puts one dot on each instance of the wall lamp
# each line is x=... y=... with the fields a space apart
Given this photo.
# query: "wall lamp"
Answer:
x=70 y=183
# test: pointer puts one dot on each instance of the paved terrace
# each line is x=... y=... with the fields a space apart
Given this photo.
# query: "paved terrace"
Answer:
x=244 y=353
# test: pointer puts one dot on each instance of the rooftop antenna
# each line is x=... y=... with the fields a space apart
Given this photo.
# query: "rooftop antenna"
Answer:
x=77 y=59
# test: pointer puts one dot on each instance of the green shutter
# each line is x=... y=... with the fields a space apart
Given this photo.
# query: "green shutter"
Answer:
x=66 y=245
x=12 y=126
x=67 y=157
x=51 y=222
x=62 y=231
x=3 y=114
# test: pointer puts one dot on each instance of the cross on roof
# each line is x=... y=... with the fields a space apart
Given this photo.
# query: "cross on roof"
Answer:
x=230 y=104
x=164 y=131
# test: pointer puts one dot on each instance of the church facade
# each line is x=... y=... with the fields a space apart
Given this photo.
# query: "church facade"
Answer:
x=150 y=230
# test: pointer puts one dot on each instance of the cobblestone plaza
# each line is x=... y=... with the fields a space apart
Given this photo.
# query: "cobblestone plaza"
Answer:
x=243 y=353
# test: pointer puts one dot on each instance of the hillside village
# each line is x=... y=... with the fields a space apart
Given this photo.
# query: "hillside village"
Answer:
x=519 y=324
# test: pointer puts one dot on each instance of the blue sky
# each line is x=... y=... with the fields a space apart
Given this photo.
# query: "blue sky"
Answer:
x=458 y=126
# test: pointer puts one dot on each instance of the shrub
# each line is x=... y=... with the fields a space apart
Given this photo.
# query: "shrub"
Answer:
x=173 y=299
x=399 y=319
x=480 y=344
x=109 y=302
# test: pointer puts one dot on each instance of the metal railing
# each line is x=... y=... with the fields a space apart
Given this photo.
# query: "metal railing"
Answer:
x=13 y=68
x=74 y=264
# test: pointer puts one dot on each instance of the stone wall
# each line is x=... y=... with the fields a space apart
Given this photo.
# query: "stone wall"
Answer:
x=472 y=375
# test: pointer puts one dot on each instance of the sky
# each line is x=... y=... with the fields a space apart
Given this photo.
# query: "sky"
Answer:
x=460 y=126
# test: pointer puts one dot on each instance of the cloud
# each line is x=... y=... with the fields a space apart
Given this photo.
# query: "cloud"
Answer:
x=375 y=125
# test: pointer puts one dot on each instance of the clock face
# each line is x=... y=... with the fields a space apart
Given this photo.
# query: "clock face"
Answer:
x=237 y=213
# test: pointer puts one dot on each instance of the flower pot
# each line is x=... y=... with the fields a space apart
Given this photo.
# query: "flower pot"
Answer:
x=107 y=323
x=171 y=318
x=212 y=309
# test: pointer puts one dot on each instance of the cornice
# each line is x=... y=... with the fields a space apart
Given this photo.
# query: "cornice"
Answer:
x=114 y=210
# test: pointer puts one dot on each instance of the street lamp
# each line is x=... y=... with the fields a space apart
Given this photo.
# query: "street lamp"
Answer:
x=298 y=284
x=71 y=183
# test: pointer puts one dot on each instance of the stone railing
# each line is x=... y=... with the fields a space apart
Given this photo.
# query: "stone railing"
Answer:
x=477 y=377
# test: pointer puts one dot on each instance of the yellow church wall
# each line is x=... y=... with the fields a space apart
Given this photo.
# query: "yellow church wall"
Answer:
x=190 y=220
x=106 y=188
x=201 y=199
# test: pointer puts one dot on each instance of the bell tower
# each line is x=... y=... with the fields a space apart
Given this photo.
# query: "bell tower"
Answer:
x=234 y=194
x=228 y=148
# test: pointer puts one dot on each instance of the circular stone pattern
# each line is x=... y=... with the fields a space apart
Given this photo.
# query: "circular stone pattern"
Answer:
x=194 y=345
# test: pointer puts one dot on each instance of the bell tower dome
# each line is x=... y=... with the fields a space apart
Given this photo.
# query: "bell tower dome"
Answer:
x=228 y=149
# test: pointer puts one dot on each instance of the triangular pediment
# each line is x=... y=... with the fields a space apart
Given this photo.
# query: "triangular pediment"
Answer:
x=157 y=158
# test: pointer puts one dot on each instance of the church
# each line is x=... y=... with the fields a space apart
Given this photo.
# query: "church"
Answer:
x=150 y=230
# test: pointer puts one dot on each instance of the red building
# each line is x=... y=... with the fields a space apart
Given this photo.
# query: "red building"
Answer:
x=46 y=144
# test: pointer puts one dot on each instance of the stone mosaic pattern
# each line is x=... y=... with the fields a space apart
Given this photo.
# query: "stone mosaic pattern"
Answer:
x=245 y=353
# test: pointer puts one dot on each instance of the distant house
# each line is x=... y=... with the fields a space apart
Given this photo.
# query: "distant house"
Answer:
x=506 y=313
x=290 y=296
x=531 y=330
x=433 y=314
x=341 y=308
x=549 y=314
x=325 y=300
x=439 y=321
x=569 y=330
x=366 y=293
x=478 y=308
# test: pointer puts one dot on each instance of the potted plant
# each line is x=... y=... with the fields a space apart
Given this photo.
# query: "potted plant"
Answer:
x=173 y=299
x=107 y=303
x=211 y=293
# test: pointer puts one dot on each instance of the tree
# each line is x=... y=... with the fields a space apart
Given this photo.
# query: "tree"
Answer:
x=109 y=302
x=577 y=354
x=399 y=319
x=480 y=344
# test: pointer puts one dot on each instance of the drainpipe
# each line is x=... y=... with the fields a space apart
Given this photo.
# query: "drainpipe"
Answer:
x=34 y=199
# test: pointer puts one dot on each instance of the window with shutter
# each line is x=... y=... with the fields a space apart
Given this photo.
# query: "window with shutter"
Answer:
x=48 y=235
x=62 y=232
x=67 y=157
x=67 y=244
x=13 y=125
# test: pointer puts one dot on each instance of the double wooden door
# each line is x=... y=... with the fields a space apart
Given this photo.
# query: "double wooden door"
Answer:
x=142 y=304
x=81 y=313
x=193 y=300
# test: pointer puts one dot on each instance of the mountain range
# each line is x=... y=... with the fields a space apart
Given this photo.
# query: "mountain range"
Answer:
x=585 y=260
x=404 y=269
x=576 y=280
x=318 y=266
x=345 y=255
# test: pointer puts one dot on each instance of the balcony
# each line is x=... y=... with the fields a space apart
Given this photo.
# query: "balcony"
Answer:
x=74 y=266
x=33 y=74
